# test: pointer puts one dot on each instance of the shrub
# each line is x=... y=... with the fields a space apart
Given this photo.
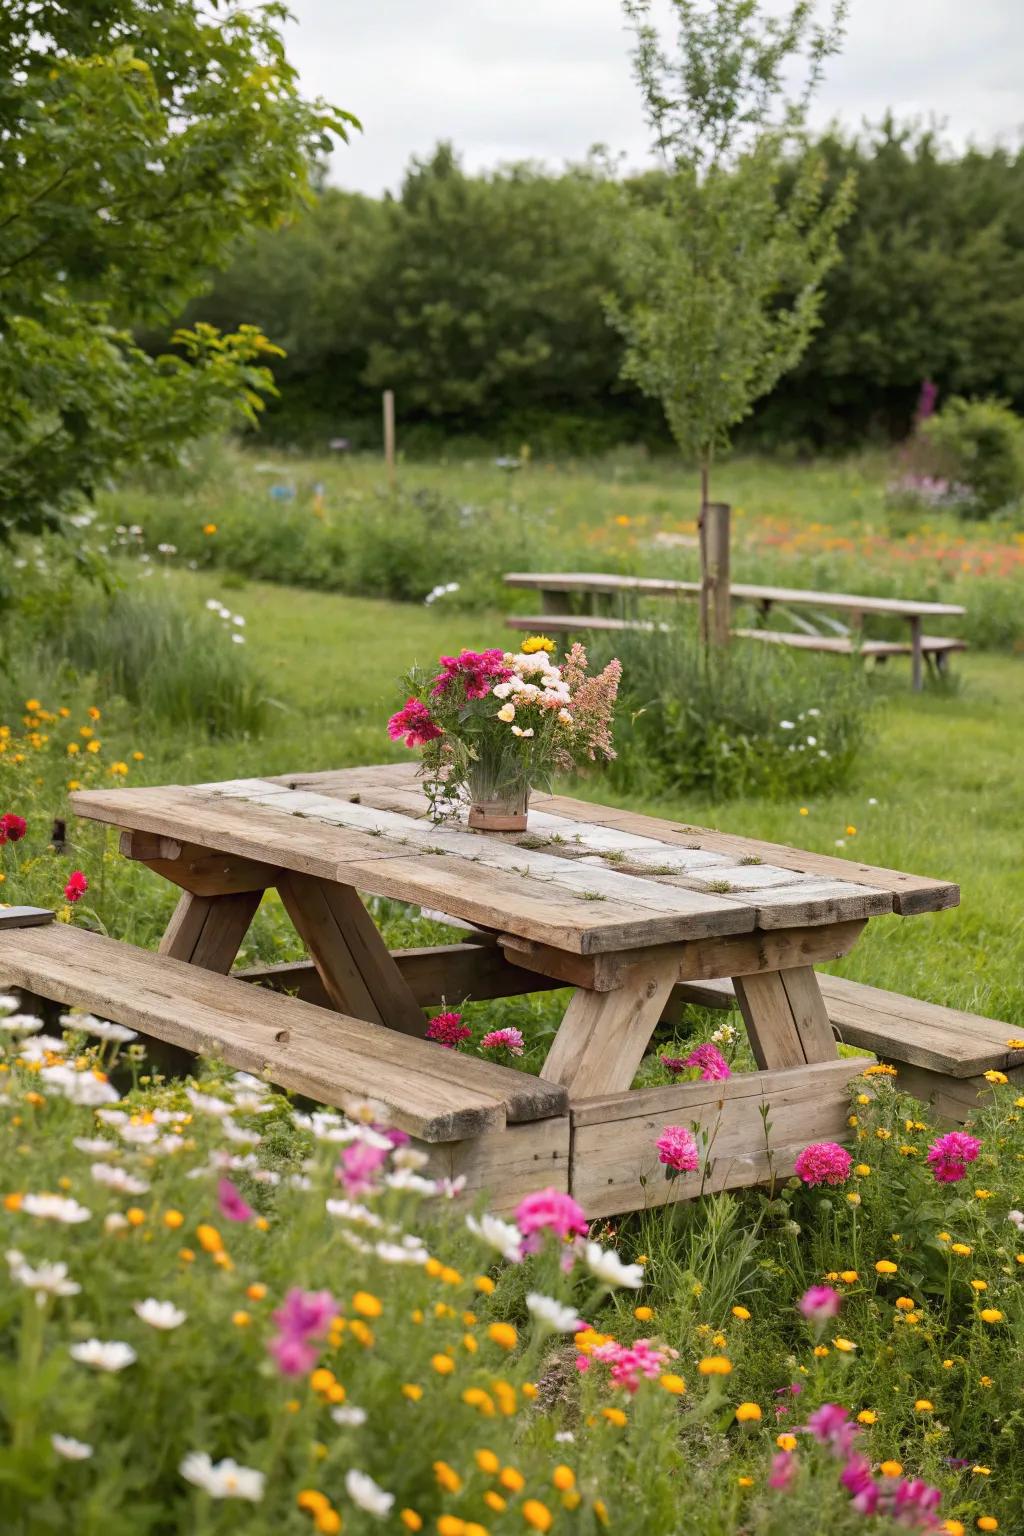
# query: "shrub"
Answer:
x=746 y=720
x=981 y=443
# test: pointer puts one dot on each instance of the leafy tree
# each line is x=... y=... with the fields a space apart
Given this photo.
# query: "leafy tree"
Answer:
x=721 y=278
x=137 y=138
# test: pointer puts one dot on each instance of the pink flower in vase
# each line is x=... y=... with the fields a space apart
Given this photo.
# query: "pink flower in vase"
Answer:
x=479 y=670
x=414 y=723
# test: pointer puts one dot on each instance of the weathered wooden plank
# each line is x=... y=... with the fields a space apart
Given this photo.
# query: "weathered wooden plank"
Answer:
x=771 y=1027
x=776 y=949
x=353 y=962
x=952 y=1099
x=208 y=930
x=910 y=893
x=194 y=868
x=25 y=917
x=438 y=974
x=432 y=1093
x=603 y=1035
x=615 y=1165
x=809 y=1013
x=507 y=1165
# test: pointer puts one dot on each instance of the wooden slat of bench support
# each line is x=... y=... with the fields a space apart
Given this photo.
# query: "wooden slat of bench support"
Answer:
x=25 y=917
x=615 y=1163
x=901 y=1029
x=508 y=1164
x=910 y=893
x=432 y=1093
x=843 y=645
x=441 y=973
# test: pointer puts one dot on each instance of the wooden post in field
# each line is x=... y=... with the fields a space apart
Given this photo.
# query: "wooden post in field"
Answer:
x=715 y=602
x=389 y=434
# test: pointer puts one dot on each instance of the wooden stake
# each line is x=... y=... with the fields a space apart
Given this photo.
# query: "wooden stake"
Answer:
x=715 y=602
x=389 y=434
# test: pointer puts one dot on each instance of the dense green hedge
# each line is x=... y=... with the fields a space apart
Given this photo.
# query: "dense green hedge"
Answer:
x=479 y=299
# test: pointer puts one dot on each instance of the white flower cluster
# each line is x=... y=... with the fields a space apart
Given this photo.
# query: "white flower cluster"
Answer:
x=235 y=620
x=440 y=591
x=534 y=680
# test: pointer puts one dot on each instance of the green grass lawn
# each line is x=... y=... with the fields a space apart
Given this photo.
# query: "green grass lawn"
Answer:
x=943 y=769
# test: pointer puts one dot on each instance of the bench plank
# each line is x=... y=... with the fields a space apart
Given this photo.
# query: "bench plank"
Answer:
x=432 y=1093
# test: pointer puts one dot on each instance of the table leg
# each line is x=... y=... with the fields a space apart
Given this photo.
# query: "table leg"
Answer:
x=786 y=1018
x=602 y=1038
x=916 y=655
x=208 y=930
x=359 y=975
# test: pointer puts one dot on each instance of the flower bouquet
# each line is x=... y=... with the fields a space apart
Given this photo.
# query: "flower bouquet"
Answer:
x=493 y=723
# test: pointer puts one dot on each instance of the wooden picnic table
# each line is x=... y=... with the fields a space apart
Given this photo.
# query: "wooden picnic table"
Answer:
x=557 y=588
x=622 y=907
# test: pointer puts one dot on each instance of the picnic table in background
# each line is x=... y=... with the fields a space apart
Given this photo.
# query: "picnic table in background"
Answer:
x=613 y=604
x=627 y=909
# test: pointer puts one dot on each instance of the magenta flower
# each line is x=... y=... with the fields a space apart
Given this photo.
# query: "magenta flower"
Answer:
x=448 y=1030
x=712 y=1064
x=824 y=1162
x=292 y=1355
x=830 y=1426
x=631 y=1362
x=414 y=723
x=509 y=1039
x=302 y=1317
x=819 y=1303
x=359 y=1166
x=859 y=1483
x=232 y=1206
x=479 y=671
x=783 y=1470
x=950 y=1154
x=677 y=1149
x=551 y=1210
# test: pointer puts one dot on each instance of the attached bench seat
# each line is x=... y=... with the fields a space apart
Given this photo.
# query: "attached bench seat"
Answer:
x=939 y=646
x=942 y=1053
x=432 y=1093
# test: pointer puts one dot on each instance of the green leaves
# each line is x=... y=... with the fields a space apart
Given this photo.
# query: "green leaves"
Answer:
x=127 y=170
x=722 y=277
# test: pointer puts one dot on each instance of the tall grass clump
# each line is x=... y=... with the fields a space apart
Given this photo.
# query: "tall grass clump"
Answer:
x=740 y=721
x=178 y=667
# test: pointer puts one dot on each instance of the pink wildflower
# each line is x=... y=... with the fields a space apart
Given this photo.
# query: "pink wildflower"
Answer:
x=76 y=887
x=915 y=1500
x=12 y=828
x=630 y=1362
x=414 y=723
x=819 y=1303
x=232 y=1205
x=783 y=1470
x=677 y=1149
x=448 y=1030
x=509 y=1039
x=359 y=1165
x=824 y=1162
x=303 y=1316
x=950 y=1154
x=830 y=1426
x=856 y=1478
x=551 y=1210
x=713 y=1065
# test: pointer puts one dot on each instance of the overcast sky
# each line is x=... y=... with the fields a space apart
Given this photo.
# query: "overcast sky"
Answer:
x=547 y=79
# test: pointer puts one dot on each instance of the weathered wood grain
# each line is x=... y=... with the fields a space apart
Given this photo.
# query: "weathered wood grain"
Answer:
x=208 y=930
x=615 y=1165
x=507 y=1165
x=330 y=1057
x=603 y=1036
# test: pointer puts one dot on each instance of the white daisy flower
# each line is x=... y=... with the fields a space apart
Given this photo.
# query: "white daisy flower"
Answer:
x=21 y=1024
x=518 y=731
x=403 y=1178
x=94 y=1146
x=159 y=1314
x=115 y=1222
x=565 y=1437
x=70 y=1449
x=9 y=1003
x=505 y=1238
x=362 y=1490
x=38 y=1047
x=351 y=1210
x=553 y=1315
x=395 y=1253
x=88 y=1024
x=46 y=1280
x=410 y=1157
x=605 y=1265
x=55 y=1208
x=114 y=1117
x=104 y=1356
x=450 y=1188
x=208 y=1103
x=139 y=1133
x=786 y=725
x=78 y=1087
x=349 y=1415
x=118 y=1179
x=222 y=1479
